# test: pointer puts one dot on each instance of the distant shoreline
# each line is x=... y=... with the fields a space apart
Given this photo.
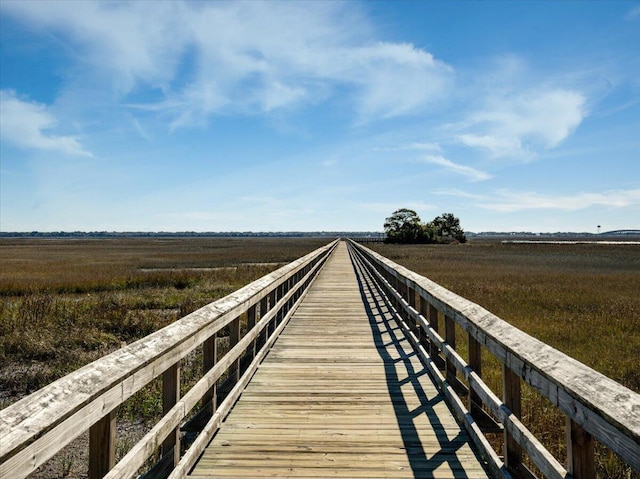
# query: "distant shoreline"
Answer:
x=520 y=236
x=570 y=242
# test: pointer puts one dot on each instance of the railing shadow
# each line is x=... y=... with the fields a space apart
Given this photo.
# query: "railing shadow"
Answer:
x=397 y=353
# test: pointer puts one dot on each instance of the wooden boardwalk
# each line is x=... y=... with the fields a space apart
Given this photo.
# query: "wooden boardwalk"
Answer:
x=341 y=394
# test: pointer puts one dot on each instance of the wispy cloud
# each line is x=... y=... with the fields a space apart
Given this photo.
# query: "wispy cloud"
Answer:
x=416 y=146
x=633 y=13
x=518 y=125
x=471 y=173
x=28 y=125
x=244 y=58
x=389 y=207
x=508 y=201
x=425 y=146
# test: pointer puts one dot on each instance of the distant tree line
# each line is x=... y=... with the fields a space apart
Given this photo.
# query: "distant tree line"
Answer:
x=405 y=226
x=185 y=234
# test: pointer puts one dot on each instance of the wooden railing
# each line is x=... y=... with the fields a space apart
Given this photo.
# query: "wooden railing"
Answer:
x=369 y=239
x=37 y=427
x=596 y=407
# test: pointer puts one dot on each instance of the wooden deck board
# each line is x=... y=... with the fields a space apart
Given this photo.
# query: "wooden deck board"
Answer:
x=341 y=394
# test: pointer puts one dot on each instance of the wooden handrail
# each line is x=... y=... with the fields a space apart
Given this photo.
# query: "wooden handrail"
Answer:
x=596 y=406
x=38 y=426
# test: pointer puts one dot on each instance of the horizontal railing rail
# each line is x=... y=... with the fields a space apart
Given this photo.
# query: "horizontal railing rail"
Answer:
x=596 y=407
x=37 y=427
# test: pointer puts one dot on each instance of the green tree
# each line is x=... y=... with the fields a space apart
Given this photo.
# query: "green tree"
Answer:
x=404 y=226
x=446 y=229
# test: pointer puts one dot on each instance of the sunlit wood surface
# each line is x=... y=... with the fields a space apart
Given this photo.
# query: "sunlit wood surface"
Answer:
x=341 y=394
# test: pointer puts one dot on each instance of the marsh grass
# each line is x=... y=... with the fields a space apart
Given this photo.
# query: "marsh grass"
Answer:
x=65 y=302
x=581 y=299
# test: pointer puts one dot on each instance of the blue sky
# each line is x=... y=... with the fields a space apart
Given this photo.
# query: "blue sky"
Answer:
x=250 y=116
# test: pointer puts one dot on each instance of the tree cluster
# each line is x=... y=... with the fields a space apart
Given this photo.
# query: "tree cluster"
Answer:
x=405 y=226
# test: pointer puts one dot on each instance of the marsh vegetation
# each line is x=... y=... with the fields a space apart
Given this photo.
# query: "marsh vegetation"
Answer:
x=66 y=302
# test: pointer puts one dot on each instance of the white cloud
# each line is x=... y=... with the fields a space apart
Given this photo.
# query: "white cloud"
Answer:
x=419 y=146
x=389 y=207
x=241 y=57
x=508 y=201
x=397 y=79
x=28 y=124
x=519 y=125
x=471 y=173
x=425 y=146
x=130 y=42
x=633 y=13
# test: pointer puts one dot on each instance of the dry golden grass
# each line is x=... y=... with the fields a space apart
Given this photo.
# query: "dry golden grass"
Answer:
x=66 y=302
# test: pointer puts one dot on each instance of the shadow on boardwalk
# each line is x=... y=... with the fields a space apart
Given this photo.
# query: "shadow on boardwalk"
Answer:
x=397 y=353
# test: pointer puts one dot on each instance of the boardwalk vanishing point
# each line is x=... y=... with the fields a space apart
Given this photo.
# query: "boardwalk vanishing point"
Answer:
x=341 y=394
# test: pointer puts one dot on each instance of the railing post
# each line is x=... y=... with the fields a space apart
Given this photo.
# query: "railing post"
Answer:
x=102 y=446
x=170 y=396
x=475 y=362
x=290 y=283
x=511 y=396
x=264 y=308
x=433 y=322
x=282 y=311
x=251 y=322
x=234 y=338
x=209 y=358
x=272 y=302
x=580 y=452
x=413 y=324
x=423 y=306
x=395 y=285
x=450 y=338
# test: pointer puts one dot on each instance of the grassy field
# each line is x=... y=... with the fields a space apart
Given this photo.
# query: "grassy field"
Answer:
x=584 y=300
x=64 y=303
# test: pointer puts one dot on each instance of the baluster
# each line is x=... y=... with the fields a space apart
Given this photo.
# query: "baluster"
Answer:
x=283 y=309
x=424 y=339
x=102 y=446
x=251 y=322
x=264 y=309
x=209 y=358
x=580 y=452
x=234 y=338
x=412 y=302
x=170 y=396
x=475 y=362
x=272 y=302
x=433 y=322
x=511 y=396
x=450 y=338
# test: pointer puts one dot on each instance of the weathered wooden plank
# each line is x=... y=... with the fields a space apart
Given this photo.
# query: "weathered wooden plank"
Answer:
x=144 y=448
x=329 y=392
x=38 y=426
x=607 y=410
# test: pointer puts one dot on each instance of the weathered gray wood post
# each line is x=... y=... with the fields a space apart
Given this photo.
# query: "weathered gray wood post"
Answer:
x=102 y=446
x=209 y=358
x=170 y=396
x=512 y=398
x=475 y=362
x=580 y=452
